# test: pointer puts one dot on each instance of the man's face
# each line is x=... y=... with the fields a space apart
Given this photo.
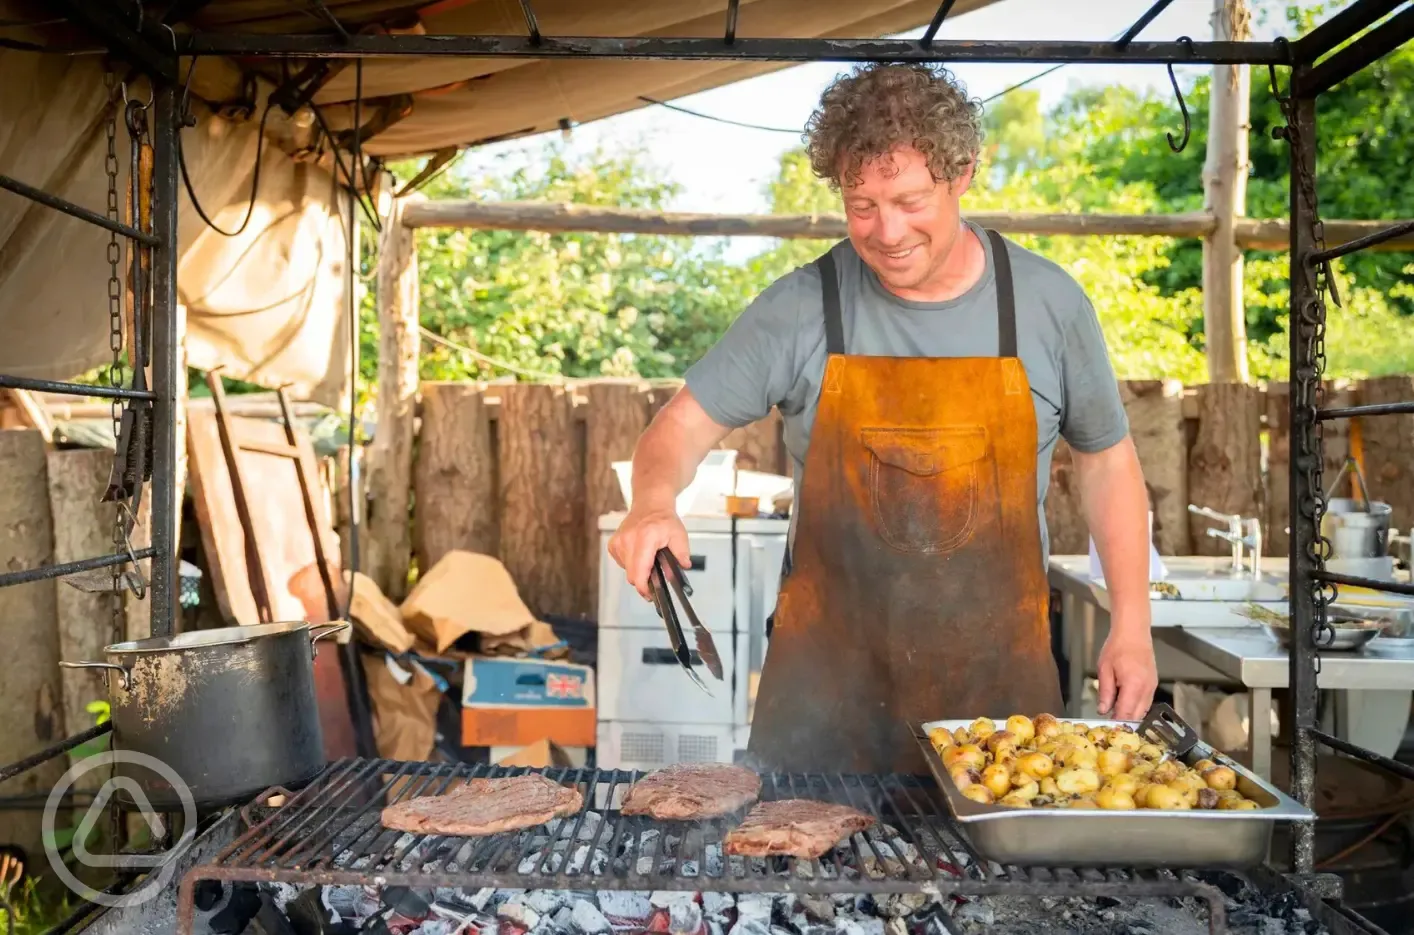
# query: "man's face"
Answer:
x=902 y=222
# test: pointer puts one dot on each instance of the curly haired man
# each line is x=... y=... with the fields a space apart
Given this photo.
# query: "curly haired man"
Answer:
x=924 y=368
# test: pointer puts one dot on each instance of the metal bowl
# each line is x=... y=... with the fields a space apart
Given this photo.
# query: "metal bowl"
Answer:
x=1350 y=634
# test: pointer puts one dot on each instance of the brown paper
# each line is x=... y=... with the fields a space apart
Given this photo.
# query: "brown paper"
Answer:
x=465 y=593
x=404 y=716
x=540 y=754
x=376 y=619
x=535 y=636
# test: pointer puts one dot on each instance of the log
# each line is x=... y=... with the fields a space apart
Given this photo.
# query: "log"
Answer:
x=455 y=481
x=1225 y=198
x=138 y=610
x=1225 y=462
x=390 y=455
x=1387 y=450
x=1276 y=500
x=1156 y=424
x=31 y=694
x=1250 y=233
x=83 y=528
x=616 y=413
x=1065 y=520
x=542 y=497
x=760 y=445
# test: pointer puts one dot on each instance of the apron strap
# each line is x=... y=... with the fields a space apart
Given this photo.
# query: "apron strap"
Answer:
x=834 y=318
x=1006 y=297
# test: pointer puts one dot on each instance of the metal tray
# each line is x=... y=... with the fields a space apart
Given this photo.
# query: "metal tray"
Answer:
x=1099 y=838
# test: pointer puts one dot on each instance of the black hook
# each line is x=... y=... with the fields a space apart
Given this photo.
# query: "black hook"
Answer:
x=1180 y=145
x=1272 y=71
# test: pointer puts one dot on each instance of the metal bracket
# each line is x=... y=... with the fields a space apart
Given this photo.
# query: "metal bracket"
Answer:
x=107 y=22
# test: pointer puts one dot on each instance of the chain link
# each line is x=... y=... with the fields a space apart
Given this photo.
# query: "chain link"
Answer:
x=116 y=94
x=1309 y=387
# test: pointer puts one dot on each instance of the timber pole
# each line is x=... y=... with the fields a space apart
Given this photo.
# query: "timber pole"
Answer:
x=1225 y=198
x=389 y=522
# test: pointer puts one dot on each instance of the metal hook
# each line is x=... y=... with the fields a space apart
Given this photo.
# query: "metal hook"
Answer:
x=1180 y=145
x=1272 y=72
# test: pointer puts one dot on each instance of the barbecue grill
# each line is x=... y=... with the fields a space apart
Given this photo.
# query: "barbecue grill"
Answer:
x=330 y=833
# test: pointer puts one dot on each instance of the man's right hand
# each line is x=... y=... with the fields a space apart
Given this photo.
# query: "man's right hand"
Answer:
x=639 y=537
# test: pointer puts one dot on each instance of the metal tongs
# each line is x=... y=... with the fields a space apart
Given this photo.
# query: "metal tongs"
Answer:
x=667 y=574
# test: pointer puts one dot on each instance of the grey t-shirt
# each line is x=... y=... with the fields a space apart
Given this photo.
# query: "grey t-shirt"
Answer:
x=774 y=353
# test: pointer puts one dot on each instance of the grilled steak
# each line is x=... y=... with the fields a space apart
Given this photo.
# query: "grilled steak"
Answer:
x=485 y=806
x=689 y=791
x=795 y=827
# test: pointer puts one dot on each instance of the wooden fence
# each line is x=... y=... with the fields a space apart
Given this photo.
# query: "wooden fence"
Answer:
x=522 y=471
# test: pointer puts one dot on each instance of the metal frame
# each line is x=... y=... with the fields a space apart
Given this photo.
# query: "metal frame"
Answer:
x=1312 y=587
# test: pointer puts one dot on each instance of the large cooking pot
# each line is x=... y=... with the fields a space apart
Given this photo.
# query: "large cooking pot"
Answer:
x=232 y=710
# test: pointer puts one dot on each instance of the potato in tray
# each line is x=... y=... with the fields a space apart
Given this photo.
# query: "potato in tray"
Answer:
x=1044 y=762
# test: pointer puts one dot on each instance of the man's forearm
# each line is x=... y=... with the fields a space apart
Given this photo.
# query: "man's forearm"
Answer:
x=1116 y=507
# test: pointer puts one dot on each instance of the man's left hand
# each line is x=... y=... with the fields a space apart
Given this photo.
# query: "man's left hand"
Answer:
x=1128 y=675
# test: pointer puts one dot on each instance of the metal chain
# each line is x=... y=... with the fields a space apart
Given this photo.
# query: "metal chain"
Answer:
x=1309 y=388
x=115 y=332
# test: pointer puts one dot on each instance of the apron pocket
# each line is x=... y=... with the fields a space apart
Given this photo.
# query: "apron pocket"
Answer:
x=923 y=485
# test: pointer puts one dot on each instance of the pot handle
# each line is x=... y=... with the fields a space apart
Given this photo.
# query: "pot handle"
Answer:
x=321 y=630
x=122 y=672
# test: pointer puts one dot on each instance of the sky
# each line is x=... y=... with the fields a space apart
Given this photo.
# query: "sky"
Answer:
x=722 y=168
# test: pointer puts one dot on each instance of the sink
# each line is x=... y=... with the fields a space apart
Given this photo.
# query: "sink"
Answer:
x=1214 y=587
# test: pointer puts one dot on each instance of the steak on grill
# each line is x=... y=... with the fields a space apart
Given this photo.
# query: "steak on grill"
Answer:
x=689 y=791
x=485 y=806
x=795 y=828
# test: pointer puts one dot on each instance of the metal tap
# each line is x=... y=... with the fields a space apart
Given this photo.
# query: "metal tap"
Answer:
x=1245 y=532
x=1233 y=534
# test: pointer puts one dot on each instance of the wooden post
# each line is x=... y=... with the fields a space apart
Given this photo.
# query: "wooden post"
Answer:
x=455 y=484
x=616 y=414
x=30 y=691
x=1225 y=462
x=1225 y=197
x=390 y=455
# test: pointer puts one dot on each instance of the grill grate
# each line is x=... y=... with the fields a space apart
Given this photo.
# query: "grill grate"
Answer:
x=330 y=833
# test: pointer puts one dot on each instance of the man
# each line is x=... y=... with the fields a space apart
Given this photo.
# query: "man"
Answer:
x=924 y=369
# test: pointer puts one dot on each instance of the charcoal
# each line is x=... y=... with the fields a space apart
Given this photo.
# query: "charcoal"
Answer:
x=685 y=918
x=817 y=908
x=545 y=902
x=667 y=899
x=717 y=905
x=206 y=894
x=754 y=906
x=715 y=928
x=480 y=899
x=344 y=901
x=895 y=926
x=238 y=911
x=408 y=902
x=269 y=919
x=625 y=906
x=861 y=927
x=753 y=925
x=308 y=915
x=518 y=912
x=434 y=927
x=712 y=857
x=982 y=914
x=282 y=894
x=588 y=919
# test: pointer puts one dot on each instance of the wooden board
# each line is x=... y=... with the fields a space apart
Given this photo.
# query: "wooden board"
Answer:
x=1387 y=444
x=455 y=475
x=616 y=414
x=30 y=691
x=542 y=495
x=277 y=512
x=1225 y=462
x=1065 y=520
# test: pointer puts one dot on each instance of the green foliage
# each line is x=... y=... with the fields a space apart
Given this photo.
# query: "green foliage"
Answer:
x=571 y=305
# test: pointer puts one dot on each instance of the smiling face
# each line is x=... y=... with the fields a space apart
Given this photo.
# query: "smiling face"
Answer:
x=905 y=224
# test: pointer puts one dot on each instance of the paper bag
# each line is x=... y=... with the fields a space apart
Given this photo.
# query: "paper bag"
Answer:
x=405 y=701
x=375 y=618
x=465 y=593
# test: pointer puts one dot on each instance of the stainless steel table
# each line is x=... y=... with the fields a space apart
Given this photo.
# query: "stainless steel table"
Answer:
x=1253 y=658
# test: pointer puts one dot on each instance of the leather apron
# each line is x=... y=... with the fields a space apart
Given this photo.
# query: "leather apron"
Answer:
x=915 y=589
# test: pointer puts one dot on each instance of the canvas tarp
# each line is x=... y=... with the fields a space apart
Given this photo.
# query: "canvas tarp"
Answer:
x=269 y=305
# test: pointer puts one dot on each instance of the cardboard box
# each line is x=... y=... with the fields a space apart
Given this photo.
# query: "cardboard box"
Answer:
x=516 y=702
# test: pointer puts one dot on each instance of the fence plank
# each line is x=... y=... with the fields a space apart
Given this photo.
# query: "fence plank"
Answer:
x=1156 y=424
x=1065 y=522
x=1387 y=444
x=1225 y=462
x=615 y=415
x=30 y=691
x=542 y=497
x=1276 y=513
x=455 y=475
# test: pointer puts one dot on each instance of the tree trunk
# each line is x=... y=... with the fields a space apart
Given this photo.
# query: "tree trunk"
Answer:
x=542 y=495
x=31 y=695
x=391 y=454
x=1225 y=463
x=1156 y=424
x=455 y=474
x=616 y=415
x=1225 y=190
x=1387 y=450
